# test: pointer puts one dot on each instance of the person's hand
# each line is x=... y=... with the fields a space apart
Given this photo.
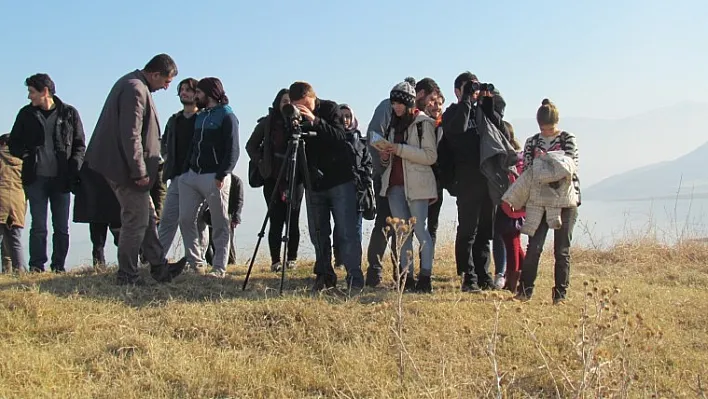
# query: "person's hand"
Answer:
x=143 y=182
x=234 y=224
x=219 y=184
x=306 y=113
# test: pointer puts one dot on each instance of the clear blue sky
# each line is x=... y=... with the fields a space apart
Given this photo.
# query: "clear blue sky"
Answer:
x=601 y=58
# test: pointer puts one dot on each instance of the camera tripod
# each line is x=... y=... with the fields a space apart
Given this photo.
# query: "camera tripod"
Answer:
x=294 y=155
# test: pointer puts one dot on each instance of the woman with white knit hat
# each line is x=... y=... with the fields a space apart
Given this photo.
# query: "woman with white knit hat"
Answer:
x=408 y=180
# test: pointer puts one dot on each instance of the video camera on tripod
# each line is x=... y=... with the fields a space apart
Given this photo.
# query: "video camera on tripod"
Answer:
x=294 y=123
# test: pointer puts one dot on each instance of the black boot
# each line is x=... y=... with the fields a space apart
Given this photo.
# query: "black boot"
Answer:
x=98 y=257
x=423 y=285
x=373 y=277
x=166 y=272
x=324 y=281
x=469 y=284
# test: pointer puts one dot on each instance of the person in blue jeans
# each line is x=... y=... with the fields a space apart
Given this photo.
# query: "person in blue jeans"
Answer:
x=330 y=164
x=49 y=137
x=499 y=255
x=363 y=169
x=408 y=180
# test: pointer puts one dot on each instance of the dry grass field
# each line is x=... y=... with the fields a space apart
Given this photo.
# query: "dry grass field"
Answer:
x=636 y=326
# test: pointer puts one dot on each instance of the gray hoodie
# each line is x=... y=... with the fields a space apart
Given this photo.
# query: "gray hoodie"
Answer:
x=379 y=123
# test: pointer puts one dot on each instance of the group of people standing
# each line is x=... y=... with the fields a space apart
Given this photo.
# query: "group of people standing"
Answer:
x=411 y=152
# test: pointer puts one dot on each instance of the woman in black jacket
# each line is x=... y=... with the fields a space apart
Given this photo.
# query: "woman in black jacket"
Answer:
x=266 y=147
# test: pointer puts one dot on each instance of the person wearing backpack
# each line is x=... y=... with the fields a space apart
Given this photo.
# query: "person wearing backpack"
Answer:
x=408 y=180
x=434 y=110
x=363 y=177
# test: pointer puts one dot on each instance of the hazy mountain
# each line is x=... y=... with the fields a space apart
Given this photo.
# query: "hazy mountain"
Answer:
x=610 y=147
x=685 y=176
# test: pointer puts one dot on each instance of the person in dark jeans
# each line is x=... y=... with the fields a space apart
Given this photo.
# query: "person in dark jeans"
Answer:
x=427 y=91
x=49 y=137
x=551 y=138
x=235 y=207
x=333 y=190
x=266 y=148
x=475 y=208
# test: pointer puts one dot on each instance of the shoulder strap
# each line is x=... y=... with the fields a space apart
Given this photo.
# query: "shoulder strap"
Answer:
x=419 y=125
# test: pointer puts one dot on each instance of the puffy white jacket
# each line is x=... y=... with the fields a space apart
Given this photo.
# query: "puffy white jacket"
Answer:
x=419 y=180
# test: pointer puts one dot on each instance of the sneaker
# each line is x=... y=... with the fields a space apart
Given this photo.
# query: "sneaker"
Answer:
x=499 y=281
x=291 y=264
x=217 y=274
x=276 y=267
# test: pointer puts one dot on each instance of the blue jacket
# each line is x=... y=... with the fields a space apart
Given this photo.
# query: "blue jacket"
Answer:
x=215 y=145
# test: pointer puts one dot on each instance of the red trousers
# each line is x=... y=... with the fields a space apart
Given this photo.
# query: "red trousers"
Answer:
x=514 y=259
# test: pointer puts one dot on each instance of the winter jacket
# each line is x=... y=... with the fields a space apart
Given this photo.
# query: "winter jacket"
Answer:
x=27 y=136
x=547 y=187
x=12 y=195
x=565 y=142
x=497 y=157
x=329 y=157
x=465 y=124
x=215 y=145
x=125 y=144
x=418 y=158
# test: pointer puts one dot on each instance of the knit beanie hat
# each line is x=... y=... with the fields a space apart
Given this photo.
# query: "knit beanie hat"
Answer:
x=403 y=93
x=213 y=88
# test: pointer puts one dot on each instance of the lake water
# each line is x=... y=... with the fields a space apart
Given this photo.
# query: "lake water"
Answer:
x=600 y=224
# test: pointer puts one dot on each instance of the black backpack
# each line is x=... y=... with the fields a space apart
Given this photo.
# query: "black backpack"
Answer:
x=363 y=176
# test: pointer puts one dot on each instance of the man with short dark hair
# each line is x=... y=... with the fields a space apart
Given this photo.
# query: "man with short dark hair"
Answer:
x=475 y=207
x=426 y=93
x=210 y=160
x=175 y=146
x=49 y=136
x=333 y=189
x=125 y=149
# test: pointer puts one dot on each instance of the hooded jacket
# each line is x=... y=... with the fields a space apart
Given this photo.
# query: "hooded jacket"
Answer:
x=362 y=167
x=215 y=145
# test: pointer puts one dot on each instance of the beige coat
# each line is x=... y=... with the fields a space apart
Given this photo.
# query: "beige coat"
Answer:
x=418 y=177
x=12 y=194
x=532 y=191
x=125 y=145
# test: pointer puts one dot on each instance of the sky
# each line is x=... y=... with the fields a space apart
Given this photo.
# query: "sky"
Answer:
x=600 y=59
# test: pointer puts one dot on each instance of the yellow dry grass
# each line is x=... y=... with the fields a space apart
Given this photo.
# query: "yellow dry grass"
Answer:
x=80 y=336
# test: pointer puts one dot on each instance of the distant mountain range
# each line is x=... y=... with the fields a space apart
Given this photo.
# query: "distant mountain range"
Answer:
x=643 y=156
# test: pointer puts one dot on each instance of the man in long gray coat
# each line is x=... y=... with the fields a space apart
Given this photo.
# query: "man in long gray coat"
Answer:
x=125 y=149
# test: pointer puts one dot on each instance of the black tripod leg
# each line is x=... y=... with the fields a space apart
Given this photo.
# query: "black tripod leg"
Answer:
x=261 y=234
x=292 y=174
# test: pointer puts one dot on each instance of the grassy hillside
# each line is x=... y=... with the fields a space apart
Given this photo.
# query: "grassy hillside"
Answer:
x=636 y=325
